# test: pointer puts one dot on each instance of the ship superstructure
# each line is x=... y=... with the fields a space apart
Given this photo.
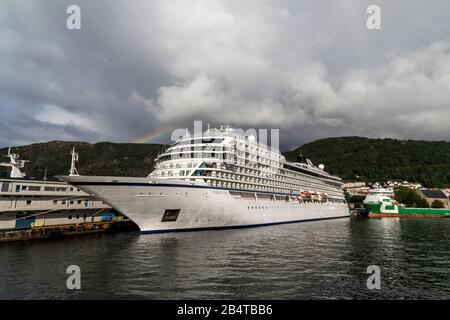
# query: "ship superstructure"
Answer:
x=226 y=159
x=15 y=164
x=28 y=203
x=221 y=178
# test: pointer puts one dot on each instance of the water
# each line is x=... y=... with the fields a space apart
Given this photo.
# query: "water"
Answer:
x=316 y=260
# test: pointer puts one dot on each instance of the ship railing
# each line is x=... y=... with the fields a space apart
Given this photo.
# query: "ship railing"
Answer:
x=224 y=134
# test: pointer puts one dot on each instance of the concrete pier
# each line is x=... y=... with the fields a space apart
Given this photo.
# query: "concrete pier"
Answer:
x=66 y=230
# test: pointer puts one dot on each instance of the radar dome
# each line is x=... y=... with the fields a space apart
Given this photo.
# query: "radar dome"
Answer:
x=321 y=166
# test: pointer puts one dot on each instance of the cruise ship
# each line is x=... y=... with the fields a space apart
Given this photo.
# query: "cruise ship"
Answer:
x=28 y=203
x=220 y=178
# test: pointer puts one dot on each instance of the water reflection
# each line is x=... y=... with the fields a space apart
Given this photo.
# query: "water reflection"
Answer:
x=318 y=260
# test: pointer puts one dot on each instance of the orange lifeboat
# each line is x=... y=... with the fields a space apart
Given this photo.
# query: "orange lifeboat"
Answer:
x=305 y=194
x=315 y=196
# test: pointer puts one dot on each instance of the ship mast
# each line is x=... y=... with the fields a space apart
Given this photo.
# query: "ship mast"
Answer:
x=15 y=164
x=73 y=168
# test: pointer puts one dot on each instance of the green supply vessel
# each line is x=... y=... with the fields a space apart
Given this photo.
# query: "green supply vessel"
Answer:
x=382 y=206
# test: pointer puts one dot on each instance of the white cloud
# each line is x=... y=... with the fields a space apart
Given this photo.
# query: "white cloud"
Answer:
x=295 y=65
x=385 y=99
x=58 y=116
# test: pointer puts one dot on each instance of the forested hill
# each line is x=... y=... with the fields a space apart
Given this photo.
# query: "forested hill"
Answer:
x=104 y=158
x=352 y=158
x=356 y=158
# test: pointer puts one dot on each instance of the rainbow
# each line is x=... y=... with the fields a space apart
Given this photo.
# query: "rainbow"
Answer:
x=149 y=136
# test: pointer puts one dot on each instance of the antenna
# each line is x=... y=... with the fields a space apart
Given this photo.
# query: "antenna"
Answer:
x=45 y=175
x=301 y=158
x=15 y=164
x=73 y=168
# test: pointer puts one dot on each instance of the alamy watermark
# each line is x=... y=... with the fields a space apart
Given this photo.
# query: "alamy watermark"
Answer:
x=73 y=21
x=74 y=280
x=373 y=21
x=374 y=280
x=204 y=143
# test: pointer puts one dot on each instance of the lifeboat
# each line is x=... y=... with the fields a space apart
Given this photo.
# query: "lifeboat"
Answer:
x=306 y=196
x=316 y=196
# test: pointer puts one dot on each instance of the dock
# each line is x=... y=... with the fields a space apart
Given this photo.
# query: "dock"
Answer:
x=66 y=230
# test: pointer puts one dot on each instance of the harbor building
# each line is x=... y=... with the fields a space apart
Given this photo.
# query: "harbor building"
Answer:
x=435 y=194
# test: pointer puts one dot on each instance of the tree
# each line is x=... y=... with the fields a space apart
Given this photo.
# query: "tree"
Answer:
x=437 y=204
x=356 y=199
x=410 y=198
x=370 y=160
x=347 y=196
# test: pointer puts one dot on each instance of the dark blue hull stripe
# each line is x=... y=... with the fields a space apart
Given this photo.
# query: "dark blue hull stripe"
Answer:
x=169 y=185
x=238 y=227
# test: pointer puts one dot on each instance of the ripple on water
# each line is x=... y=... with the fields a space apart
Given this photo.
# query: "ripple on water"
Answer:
x=318 y=260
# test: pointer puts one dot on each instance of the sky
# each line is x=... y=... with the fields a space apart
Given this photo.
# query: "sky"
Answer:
x=138 y=69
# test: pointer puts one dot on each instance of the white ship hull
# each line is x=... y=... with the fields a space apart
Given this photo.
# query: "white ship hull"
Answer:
x=197 y=205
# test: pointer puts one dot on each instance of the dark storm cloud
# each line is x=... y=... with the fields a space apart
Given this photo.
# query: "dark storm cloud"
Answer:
x=310 y=68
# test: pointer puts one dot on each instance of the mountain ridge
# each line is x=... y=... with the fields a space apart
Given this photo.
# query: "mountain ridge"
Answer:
x=101 y=158
x=352 y=158
x=365 y=159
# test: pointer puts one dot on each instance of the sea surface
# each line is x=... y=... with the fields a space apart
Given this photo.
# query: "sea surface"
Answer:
x=313 y=260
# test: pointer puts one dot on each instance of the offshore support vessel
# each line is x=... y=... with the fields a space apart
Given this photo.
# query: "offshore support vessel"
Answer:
x=380 y=206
